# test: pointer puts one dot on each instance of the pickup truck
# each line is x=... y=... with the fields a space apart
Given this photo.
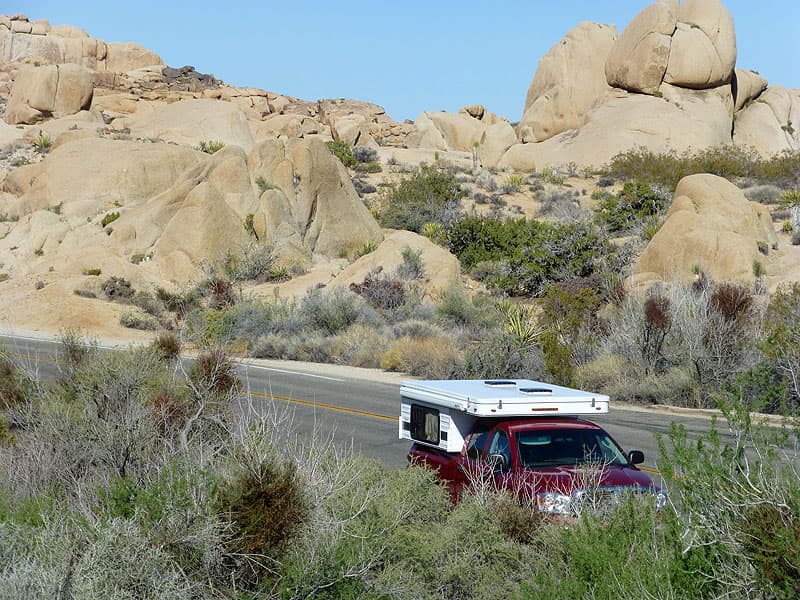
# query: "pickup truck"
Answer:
x=561 y=464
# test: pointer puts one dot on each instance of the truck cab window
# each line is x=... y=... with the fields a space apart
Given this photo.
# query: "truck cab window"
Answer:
x=500 y=445
x=476 y=444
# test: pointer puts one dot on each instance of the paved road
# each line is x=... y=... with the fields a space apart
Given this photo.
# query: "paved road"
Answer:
x=361 y=406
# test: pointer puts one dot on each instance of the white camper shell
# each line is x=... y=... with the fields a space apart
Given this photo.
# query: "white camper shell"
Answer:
x=440 y=413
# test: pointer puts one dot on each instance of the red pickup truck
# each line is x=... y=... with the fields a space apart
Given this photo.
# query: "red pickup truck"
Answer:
x=560 y=464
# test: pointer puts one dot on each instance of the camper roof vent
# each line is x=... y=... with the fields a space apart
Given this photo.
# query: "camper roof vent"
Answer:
x=536 y=390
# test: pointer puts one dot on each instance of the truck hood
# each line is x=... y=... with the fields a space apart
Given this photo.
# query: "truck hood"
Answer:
x=568 y=479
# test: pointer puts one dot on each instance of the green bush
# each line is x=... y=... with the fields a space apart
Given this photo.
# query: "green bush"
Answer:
x=343 y=151
x=210 y=146
x=429 y=195
x=330 y=312
x=633 y=205
x=42 y=142
x=370 y=167
x=16 y=387
x=137 y=320
x=267 y=506
x=521 y=257
x=109 y=218
x=729 y=161
x=739 y=499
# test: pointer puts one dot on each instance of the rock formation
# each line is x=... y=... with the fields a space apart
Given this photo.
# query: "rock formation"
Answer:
x=50 y=91
x=672 y=87
x=568 y=83
x=38 y=43
x=712 y=225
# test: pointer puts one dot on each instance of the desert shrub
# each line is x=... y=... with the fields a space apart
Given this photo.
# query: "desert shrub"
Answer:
x=763 y=194
x=755 y=546
x=362 y=187
x=84 y=293
x=178 y=303
x=382 y=292
x=696 y=339
x=42 y=143
x=359 y=346
x=210 y=146
x=167 y=345
x=520 y=257
x=120 y=562
x=343 y=151
x=429 y=195
x=370 y=167
x=428 y=358
x=109 y=218
x=571 y=327
x=221 y=293
x=416 y=328
x=214 y=372
x=634 y=204
x=148 y=303
x=501 y=354
x=729 y=161
x=138 y=320
x=435 y=232
x=367 y=248
x=267 y=507
x=781 y=345
x=274 y=345
x=412 y=266
x=365 y=154
x=513 y=183
x=16 y=386
x=92 y=272
x=455 y=307
x=117 y=289
x=254 y=262
x=330 y=311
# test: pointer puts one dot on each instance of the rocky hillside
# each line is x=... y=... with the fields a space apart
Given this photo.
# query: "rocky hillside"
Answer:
x=113 y=163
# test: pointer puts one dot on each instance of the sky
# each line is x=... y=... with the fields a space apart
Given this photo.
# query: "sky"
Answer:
x=408 y=56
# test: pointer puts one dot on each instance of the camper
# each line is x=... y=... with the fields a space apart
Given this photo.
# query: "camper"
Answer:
x=527 y=436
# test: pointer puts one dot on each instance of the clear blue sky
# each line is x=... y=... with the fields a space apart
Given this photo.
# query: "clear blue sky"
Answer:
x=406 y=55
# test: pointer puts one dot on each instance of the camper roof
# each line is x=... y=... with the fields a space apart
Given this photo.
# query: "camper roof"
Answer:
x=504 y=397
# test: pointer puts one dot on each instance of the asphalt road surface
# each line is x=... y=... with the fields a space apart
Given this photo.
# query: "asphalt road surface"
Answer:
x=359 y=406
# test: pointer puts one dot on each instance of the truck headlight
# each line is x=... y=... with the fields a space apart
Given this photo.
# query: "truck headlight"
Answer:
x=553 y=503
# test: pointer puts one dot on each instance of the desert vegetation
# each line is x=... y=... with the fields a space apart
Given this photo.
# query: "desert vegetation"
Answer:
x=554 y=306
x=134 y=475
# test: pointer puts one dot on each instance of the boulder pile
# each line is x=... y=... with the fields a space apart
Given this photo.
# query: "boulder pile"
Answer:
x=667 y=82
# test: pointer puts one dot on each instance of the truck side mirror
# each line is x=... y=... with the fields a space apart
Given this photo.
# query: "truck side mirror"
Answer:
x=498 y=462
x=635 y=457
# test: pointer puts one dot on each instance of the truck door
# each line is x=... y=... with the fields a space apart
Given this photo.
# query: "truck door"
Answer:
x=498 y=457
x=470 y=462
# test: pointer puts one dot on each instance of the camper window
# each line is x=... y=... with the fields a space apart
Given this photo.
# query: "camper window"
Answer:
x=424 y=424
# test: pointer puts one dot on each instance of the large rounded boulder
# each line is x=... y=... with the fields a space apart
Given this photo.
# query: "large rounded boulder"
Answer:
x=710 y=225
x=568 y=82
x=703 y=51
x=639 y=58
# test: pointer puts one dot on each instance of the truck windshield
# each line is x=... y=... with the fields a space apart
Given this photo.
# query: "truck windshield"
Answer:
x=558 y=447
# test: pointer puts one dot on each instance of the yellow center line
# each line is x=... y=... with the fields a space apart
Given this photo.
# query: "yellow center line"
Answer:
x=352 y=411
x=33 y=357
x=649 y=470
